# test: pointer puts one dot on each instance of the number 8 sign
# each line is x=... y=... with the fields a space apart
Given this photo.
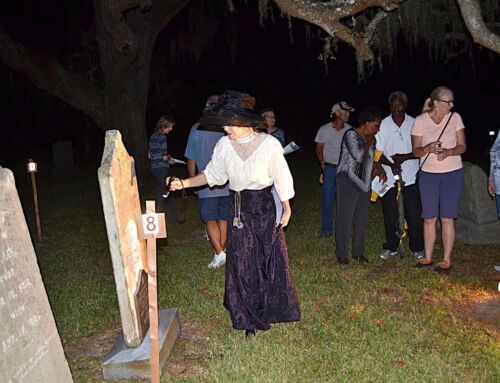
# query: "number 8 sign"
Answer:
x=150 y=224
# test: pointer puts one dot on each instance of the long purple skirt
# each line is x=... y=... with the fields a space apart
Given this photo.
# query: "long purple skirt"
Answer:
x=259 y=289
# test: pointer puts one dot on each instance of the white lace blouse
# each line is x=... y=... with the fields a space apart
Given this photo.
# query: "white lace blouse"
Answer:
x=252 y=162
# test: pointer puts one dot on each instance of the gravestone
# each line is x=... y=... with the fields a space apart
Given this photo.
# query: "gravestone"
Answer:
x=62 y=153
x=130 y=355
x=30 y=348
x=477 y=221
x=121 y=204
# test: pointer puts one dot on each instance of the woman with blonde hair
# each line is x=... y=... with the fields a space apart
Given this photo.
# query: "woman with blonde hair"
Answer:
x=438 y=139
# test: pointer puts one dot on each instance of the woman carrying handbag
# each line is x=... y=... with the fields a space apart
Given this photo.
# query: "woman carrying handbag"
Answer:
x=438 y=138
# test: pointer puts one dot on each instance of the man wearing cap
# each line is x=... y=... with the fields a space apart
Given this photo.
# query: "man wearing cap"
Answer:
x=328 y=145
x=213 y=201
x=394 y=141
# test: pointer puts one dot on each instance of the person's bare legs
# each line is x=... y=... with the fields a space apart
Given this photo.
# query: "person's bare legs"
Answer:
x=429 y=238
x=215 y=235
x=223 y=232
x=448 y=236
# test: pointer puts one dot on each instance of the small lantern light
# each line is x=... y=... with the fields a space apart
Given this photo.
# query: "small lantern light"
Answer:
x=32 y=166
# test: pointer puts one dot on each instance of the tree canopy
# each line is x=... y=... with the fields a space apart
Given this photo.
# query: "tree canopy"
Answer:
x=111 y=83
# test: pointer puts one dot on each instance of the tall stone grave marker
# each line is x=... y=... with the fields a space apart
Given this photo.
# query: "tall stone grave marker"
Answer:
x=63 y=158
x=477 y=221
x=30 y=348
x=120 y=199
x=130 y=355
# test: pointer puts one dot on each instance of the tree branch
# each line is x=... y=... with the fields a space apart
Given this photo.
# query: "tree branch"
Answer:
x=124 y=40
x=471 y=13
x=47 y=74
x=166 y=11
x=328 y=16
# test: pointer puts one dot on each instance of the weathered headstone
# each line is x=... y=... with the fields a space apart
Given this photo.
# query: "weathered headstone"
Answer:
x=477 y=221
x=120 y=199
x=30 y=348
x=130 y=355
x=62 y=153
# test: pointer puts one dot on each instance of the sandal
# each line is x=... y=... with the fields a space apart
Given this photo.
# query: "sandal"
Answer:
x=443 y=267
x=423 y=263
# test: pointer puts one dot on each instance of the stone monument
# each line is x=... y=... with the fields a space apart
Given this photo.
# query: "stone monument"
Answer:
x=62 y=153
x=30 y=348
x=121 y=204
x=477 y=221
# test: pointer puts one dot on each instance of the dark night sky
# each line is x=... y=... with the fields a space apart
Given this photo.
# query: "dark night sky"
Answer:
x=283 y=75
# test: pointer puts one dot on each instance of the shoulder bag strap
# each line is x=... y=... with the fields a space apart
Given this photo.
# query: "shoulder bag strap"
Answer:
x=440 y=135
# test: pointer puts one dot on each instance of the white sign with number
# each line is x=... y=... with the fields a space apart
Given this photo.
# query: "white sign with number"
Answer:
x=32 y=168
x=150 y=224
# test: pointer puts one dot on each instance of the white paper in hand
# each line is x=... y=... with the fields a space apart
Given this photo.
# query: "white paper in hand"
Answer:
x=290 y=148
x=380 y=187
x=176 y=161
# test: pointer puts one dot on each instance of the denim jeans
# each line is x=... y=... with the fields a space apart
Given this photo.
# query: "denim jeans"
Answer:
x=329 y=186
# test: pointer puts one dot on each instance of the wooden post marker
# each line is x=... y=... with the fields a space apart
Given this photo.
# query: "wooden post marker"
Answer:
x=32 y=169
x=152 y=226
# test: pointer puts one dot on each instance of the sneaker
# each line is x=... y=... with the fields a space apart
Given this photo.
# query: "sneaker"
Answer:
x=497 y=268
x=418 y=255
x=218 y=261
x=212 y=263
x=386 y=254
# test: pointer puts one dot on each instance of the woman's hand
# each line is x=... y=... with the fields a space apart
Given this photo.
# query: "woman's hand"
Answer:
x=175 y=183
x=433 y=147
x=444 y=153
x=192 y=182
x=491 y=186
x=287 y=213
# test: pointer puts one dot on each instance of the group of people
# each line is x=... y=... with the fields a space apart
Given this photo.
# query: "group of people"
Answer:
x=423 y=152
x=244 y=186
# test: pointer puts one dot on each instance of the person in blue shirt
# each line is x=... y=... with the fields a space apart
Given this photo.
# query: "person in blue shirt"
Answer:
x=160 y=164
x=213 y=201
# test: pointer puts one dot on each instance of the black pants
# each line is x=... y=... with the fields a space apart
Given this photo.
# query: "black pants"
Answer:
x=352 y=218
x=413 y=216
x=167 y=206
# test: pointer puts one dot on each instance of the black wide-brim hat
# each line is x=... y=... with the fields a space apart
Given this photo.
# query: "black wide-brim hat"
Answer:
x=232 y=109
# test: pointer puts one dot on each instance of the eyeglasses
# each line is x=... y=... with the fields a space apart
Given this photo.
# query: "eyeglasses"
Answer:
x=449 y=102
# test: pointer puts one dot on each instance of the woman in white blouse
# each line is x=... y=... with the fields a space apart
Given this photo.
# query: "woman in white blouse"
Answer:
x=258 y=286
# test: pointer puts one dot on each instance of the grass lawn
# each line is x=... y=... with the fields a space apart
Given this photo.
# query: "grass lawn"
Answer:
x=379 y=322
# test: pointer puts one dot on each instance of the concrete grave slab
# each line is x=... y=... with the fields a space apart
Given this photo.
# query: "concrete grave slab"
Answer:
x=124 y=362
